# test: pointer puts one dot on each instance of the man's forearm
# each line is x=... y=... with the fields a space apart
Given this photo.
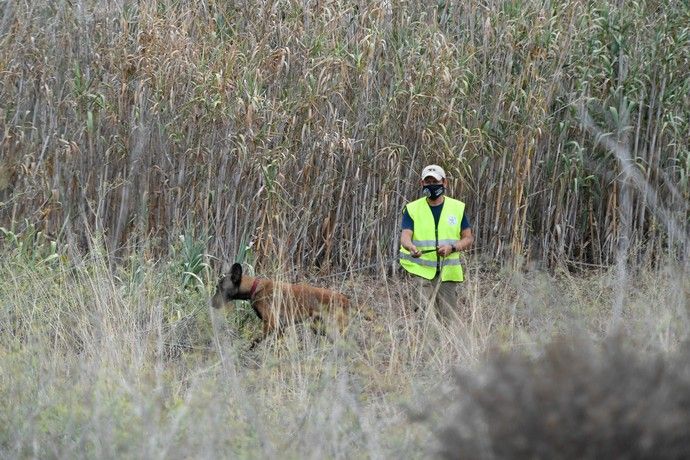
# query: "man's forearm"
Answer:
x=406 y=240
x=464 y=243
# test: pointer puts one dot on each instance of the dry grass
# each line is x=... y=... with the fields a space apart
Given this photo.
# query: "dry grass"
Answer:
x=129 y=362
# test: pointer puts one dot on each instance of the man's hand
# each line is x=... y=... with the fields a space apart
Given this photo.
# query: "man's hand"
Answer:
x=444 y=250
x=406 y=242
x=414 y=252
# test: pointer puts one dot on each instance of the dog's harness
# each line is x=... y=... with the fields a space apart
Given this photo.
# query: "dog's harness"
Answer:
x=254 y=286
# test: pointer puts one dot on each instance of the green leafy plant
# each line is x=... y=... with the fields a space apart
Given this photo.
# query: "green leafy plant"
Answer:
x=32 y=245
x=193 y=261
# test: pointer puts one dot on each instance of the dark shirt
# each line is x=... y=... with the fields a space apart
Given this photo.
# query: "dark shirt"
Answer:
x=408 y=223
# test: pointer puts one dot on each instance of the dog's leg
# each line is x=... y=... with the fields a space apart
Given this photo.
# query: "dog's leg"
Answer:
x=317 y=325
x=256 y=341
x=266 y=329
x=332 y=325
x=270 y=326
x=341 y=321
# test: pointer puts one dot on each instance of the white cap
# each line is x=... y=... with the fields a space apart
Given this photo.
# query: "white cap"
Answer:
x=434 y=171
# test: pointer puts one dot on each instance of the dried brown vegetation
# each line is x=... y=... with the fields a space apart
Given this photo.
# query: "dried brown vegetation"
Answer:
x=130 y=361
x=304 y=124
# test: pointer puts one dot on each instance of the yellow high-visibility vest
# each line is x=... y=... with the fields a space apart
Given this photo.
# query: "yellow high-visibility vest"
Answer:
x=425 y=237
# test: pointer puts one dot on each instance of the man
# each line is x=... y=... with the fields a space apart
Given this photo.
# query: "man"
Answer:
x=435 y=229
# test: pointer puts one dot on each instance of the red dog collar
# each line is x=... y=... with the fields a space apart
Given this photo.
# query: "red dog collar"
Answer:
x=253 y=289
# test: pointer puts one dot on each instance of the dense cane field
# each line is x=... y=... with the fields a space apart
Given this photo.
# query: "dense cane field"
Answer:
x=145 y=144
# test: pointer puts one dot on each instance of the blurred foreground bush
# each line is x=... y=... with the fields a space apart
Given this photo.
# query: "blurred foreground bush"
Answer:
x=576 y=400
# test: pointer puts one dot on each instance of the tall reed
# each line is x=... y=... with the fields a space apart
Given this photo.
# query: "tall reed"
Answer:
x=304 y=125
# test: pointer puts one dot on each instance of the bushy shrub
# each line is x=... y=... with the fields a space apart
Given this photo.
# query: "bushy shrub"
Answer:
x=576 y=400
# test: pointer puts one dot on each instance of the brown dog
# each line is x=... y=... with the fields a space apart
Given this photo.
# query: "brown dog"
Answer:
x=278 y=304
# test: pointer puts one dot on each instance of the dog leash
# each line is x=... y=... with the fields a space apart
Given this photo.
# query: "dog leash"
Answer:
x=376 y=264
x=358 y=269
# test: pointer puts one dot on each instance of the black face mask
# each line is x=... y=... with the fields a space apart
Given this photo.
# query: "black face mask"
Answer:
x=433 y=191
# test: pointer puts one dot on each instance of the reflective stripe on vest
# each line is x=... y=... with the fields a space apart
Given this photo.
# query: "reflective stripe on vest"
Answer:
x=425 y=236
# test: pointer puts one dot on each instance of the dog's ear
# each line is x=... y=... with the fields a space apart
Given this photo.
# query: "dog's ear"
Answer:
x=236 y=273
